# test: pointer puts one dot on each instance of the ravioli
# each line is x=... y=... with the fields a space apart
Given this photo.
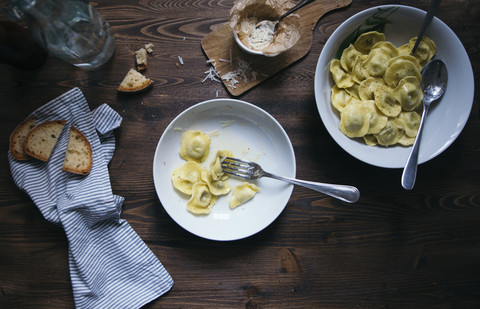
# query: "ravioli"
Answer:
x=205 y=186
x=339 y=97
x=406 y=140
x=355 y=120
x=358 y=71
x=242 y=194
x=184 y=177
x=376 y=62
x=377 y=89
x=348 y=58
x=202 y=200
x=353 y=91
x=411 y=122
x=391 y=133
x=386 y=102
x=377 y=120
x=216 y=165
x=387 y=47
x=425 y=50
x=342 y=79
x=366 y=90
x=400 y=67
x=216 y=187
x=370 y=140
x=367 y=40
x=194 y=146
x=408 y=93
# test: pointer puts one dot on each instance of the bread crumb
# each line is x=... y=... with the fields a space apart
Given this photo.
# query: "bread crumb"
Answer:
x=149 y=47
x=141 y=59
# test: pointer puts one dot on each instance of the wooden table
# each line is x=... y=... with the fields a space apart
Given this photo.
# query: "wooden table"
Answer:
x=392 y=249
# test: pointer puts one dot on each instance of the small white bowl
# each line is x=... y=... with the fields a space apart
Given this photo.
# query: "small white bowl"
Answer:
x=250 y=50
x=447 y=117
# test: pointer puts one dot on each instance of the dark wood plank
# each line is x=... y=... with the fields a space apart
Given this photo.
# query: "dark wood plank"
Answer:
x=392 y=249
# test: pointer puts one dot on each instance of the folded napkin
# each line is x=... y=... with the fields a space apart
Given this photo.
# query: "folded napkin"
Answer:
x=110 y=266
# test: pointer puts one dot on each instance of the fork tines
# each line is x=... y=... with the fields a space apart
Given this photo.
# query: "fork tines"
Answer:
x=234 y=161
x=235 y=166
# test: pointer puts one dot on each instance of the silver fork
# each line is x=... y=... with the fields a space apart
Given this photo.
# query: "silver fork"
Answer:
x=252 y=170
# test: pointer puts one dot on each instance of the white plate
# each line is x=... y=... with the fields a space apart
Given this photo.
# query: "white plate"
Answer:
x=447 y=117
x=251 y=134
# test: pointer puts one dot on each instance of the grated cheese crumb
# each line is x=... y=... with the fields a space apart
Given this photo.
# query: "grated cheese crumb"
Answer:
x=258 y=37
x=180 y=59
x=212 y=74
x=240 y=73
x=214 y=133
x=226 y=123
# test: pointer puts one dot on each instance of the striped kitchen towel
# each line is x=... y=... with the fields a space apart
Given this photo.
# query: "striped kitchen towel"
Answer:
x=110 y=266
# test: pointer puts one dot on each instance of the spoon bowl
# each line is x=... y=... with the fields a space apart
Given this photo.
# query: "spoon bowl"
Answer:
x=434 y=83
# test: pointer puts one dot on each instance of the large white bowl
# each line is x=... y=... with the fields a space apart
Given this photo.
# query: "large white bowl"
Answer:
x=251 y=134
x=447 y=117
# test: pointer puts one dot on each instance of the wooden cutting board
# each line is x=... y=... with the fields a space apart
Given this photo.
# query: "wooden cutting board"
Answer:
x=220 y=44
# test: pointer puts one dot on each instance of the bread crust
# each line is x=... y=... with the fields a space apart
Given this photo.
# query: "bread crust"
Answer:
x=18 y=137
x=78 y=156
x=134 y=82
x=41 y=140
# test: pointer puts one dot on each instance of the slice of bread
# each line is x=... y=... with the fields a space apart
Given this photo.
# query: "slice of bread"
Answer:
x=141 y=59
x=134 y=82
x=41 y=140
x=78 y=157
x=18 y=137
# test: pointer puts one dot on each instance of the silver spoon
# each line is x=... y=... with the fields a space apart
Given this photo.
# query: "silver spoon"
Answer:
x=434 y=82
x=432 y=8
x=296 y=7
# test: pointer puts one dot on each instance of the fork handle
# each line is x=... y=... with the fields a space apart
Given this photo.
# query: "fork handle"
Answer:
x=345 y=193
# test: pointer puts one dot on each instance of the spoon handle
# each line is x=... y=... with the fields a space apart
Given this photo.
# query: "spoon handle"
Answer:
x=432 y=8
x=410 y=171
x=296 y=7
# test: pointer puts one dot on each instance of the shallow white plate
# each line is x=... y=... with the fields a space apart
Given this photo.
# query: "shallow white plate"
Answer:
x=251 y=134
x=447 y=117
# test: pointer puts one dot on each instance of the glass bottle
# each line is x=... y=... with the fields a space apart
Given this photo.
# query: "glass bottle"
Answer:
x=71 y=30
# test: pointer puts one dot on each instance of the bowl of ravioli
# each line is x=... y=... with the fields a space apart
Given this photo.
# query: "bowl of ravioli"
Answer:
x=367 y=86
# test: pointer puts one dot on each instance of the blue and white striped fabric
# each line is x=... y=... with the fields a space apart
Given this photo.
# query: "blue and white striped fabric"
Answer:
x=110 y=266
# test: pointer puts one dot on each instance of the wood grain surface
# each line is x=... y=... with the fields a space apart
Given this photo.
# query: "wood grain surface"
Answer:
x=392 y=249
x=220 y=44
